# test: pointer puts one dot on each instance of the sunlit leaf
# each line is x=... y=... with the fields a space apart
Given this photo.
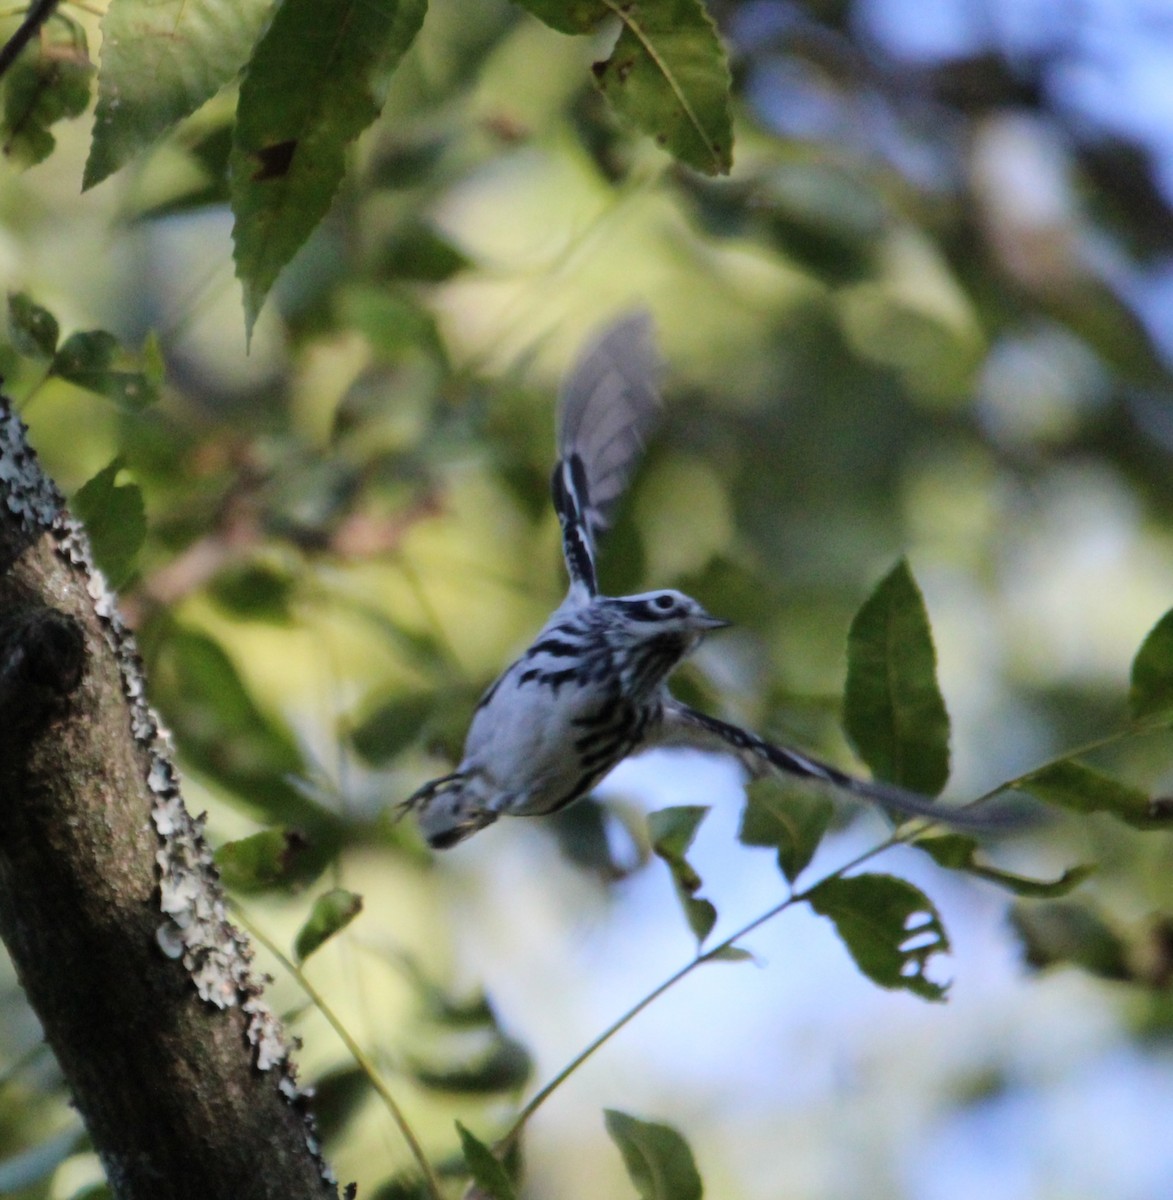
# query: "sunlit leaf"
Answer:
x=115 y=520
x=890 y=928
x=1076 y=786
x=317 y=79
x=93 y=359
x=790 y=821
x=161 y=59
x=568 y=16
x=487 y=1171
x=892 y=708
x=260 y=861
x=658 y=1160
x=504 y=1067
x=959 y=853
x=332 y=912
x=672 y=831
x=669 y=77
x=1151 y=694
x=34 y=329
x=1070 y=932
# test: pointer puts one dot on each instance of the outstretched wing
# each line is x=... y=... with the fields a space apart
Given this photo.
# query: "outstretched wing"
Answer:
x=606 y=411
x=685 y=726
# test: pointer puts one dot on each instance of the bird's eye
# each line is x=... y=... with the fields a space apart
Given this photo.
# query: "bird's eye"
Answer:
x=664 y=602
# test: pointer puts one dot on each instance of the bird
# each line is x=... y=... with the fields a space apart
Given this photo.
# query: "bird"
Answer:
x=591 y=688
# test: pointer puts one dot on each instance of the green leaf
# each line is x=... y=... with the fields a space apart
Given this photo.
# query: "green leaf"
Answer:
x=1069 y=932
x=959 y=853
x=791 y=822
x=669 y=77
x=260 y=861
x=1076 y=786
x=505 y=1067
x=672 y=831
x=332 y=911
x=1151 y=694
x=317 y=79
x=568 y=16
x=338 y=1096
x=161 y=59
x=486 y=1169
x=115 y=521
x=48 y=83
x=90 y=360
x=892 y=708
x=386 y=731
x=889 y=927
x=34 y=329
x=658 y=1160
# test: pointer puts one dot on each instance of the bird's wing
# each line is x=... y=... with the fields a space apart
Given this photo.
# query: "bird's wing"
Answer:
x=608 y=406
x=685 y=726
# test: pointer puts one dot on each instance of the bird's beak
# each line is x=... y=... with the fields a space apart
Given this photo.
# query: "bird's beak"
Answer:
x=709 y=623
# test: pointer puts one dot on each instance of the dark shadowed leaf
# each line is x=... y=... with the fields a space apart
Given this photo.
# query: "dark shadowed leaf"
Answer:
x=504 y=1067
x=160 y=62
x=959 y=853
x=332 y=911
x=672 y=831
x=115 y=520
x=890 y=928
x=93 y=360
x=260 y=861
x=317 y=79
x=34 y=330
x=1067 y=931
x=254 y=591
x=790 y=821
x=1151 y=695
x=658 y=1160
x=892 y=707
x=338 y=1097
x=1073 y=785
x=668 y=77
x=387 y=730
x=487 y=1171
x=568 y=16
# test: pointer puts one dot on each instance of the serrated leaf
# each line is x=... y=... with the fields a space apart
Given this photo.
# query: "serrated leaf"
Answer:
x=34 y=329
x=568 y=16
x=791 y=822
x=49 y=82
x=115 y=521
x=90 y=360
x=658 y=1160
x=161 y=59
x=893 y=710
x=1069 y=932
x=669 y=77
x=331 y=913
x=486 y=1169
x=260 y=861
x=672 y=831
x=1151 y=693
x=317 y=79
x=959 y=853
x=504 y=1067
x=1076 y=786
x=890 y=928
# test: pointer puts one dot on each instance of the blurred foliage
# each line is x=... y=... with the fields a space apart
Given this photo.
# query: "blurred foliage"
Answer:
x=919 y=319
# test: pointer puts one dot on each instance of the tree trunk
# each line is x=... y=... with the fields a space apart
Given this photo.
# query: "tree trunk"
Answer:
x=109 y=903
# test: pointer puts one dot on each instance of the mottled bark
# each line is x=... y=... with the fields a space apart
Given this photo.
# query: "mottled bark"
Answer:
x=109 y=905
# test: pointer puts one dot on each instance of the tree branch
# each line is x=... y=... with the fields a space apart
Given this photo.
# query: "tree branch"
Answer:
x=109 y=903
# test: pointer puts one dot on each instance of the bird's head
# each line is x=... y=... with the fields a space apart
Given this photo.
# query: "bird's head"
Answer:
x=661 y=628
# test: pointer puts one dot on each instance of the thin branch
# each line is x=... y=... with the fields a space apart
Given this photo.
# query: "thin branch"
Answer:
x=39 y=12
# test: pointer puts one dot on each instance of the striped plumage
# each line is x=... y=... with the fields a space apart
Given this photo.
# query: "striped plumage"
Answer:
x=591 y=688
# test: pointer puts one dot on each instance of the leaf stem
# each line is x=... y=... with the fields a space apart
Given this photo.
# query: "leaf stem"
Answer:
x=360 y=1057
x=514 y=1132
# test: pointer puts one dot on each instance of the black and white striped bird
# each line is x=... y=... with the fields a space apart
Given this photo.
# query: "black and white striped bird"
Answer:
x=591 y=688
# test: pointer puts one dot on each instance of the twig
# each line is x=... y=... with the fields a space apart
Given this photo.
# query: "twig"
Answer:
x=39 y=12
